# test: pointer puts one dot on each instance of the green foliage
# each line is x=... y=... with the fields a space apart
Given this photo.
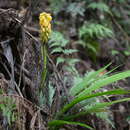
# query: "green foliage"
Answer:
x=87 y=80
x=76 y=8
x=62 y=122
x=51 y=94
x=106 y=116
x=100 y=6
x=60 y=60
x=56 y=5
x=69 y=61
x=42 y=97
x=97 y=28
x=58 y=45
x=121 y=1
x=7 y=107
x=57 y=39
x=93 y=30
x=89 y=33
x=87 y=89
x=127 y=53
x=92 y=47
x=97 y=22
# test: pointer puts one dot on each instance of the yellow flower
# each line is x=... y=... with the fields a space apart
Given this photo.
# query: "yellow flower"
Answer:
x=45 y=25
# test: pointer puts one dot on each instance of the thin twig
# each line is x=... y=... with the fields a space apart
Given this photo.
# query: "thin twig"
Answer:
x=21 y=68
x=14 y=81
x=121 y=29
x=4 y=11
x=6 y=41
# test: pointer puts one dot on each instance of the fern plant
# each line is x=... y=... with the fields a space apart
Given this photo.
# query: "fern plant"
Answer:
x=8 y=107
x=94 y=30
x=87 y=89
x=100 y=6
x=58 y=44
x=76 y=8
x=56 y=5
x=89 y=34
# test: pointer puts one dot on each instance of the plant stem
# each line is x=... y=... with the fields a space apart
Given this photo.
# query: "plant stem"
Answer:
x=44 y=72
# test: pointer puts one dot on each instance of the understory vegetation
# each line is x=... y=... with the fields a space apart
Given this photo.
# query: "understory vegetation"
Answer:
x=72 y=74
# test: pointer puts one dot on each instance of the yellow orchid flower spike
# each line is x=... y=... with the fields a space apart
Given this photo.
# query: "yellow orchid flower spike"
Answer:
x=45 y=30
x=45 y=26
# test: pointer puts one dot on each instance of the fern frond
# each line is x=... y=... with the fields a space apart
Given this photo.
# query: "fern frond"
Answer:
x=106 y=116
x=76 y=9
x=57 y=5
x=93 y=30
x=51 y=93
x=60 y=60
x=73 y=61
x=57 y=39
x=69 y=51
x=100 y=6
x=57 y=50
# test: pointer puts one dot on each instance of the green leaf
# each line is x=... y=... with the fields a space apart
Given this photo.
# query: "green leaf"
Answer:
x=88 y=96
x=69 y=51
x=60 y=60
x=99 y=107
x=114 y=52
x=86 y=81
x=42 y=99
x=127 y=53
x=56 y=5
x=57 y=39
x=51 y=93
x=92 y=29
x=108 y=80
x=57 y=50
x=91 y=47
x=106 y=116
x=72 y=61
x=100 y=6
x=62 y=122
x=76 y=9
